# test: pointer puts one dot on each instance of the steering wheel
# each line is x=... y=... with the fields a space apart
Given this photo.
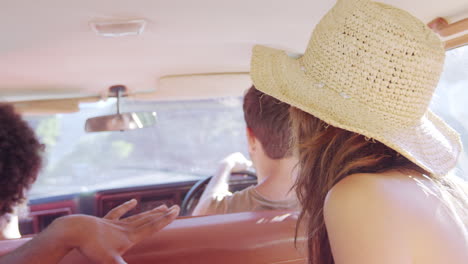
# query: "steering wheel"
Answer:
x=188 y=204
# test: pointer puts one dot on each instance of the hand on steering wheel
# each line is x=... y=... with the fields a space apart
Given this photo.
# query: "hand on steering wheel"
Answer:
x=236 y=162
x=197 y=189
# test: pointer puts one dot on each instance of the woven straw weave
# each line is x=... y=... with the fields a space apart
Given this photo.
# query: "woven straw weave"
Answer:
x=372 y=69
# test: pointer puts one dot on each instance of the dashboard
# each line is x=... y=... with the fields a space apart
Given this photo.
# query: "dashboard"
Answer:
x=44 y=211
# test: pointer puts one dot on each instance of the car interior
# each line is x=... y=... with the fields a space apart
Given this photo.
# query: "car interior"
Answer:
x=177 y=70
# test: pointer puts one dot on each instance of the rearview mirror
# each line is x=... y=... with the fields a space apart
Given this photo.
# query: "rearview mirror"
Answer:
x=121 y=122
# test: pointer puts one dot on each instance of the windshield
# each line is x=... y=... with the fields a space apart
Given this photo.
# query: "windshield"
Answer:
x=189 y=139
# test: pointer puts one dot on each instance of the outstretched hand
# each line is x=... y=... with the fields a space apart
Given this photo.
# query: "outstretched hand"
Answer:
x=105 y=240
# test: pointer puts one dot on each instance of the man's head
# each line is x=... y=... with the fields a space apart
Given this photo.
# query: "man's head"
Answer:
x=20 y=158
x=267 y=121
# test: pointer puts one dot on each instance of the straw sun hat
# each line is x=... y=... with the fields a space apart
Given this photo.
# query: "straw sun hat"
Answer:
x=369 y=68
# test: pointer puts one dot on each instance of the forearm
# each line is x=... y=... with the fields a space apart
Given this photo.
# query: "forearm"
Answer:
x=49 y=247
x=218 y=185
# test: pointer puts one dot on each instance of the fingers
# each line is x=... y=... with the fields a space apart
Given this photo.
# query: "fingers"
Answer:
x=119 y=260
x=237 y=162
x=154 y=224
x=111 y=258
x=120 y=210
x=160 y=209
x=248 y=164
x=150 y=216
x=241 y=165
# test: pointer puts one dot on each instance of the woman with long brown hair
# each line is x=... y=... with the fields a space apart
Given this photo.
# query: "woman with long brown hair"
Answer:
x=373 y=159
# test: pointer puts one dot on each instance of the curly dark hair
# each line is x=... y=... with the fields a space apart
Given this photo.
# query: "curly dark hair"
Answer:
x=20 y=158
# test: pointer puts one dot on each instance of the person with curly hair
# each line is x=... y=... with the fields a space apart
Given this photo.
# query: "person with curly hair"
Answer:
x=20 y=162
x=104 y=241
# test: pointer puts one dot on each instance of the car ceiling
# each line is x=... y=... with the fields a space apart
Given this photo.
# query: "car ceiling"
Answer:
x=48 y=49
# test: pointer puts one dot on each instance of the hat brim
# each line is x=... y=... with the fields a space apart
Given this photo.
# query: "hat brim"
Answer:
x=430 y=143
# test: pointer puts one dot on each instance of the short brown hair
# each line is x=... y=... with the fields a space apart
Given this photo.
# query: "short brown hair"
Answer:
x=268 y=118
x=20 y=158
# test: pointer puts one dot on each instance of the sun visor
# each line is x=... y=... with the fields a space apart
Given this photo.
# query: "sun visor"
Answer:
x=168 y=88
x=49 y=107
x=198 y=86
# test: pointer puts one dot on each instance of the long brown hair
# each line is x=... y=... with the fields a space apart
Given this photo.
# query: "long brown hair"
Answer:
x=328 y=154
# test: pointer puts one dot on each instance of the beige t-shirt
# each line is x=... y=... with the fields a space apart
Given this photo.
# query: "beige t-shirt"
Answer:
x=248 y=200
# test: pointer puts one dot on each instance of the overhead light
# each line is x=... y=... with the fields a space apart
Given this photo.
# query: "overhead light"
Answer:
x=118 y=28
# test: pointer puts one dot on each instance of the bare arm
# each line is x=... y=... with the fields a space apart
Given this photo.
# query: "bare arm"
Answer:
x=48 y=247
x=101 y=240
x=218 y=186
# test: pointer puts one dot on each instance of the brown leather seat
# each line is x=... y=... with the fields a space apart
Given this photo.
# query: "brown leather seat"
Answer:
x=260 y=237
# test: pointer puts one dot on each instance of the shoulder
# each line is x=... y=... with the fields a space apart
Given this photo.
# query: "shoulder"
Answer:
x=239 y=197
x=223 y=203
x=359 y=211
x=241 y=201
x=405 y=196
x=366 y=192
x=355 y=197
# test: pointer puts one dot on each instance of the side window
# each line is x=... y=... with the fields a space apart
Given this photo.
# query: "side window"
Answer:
x=451 y=99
